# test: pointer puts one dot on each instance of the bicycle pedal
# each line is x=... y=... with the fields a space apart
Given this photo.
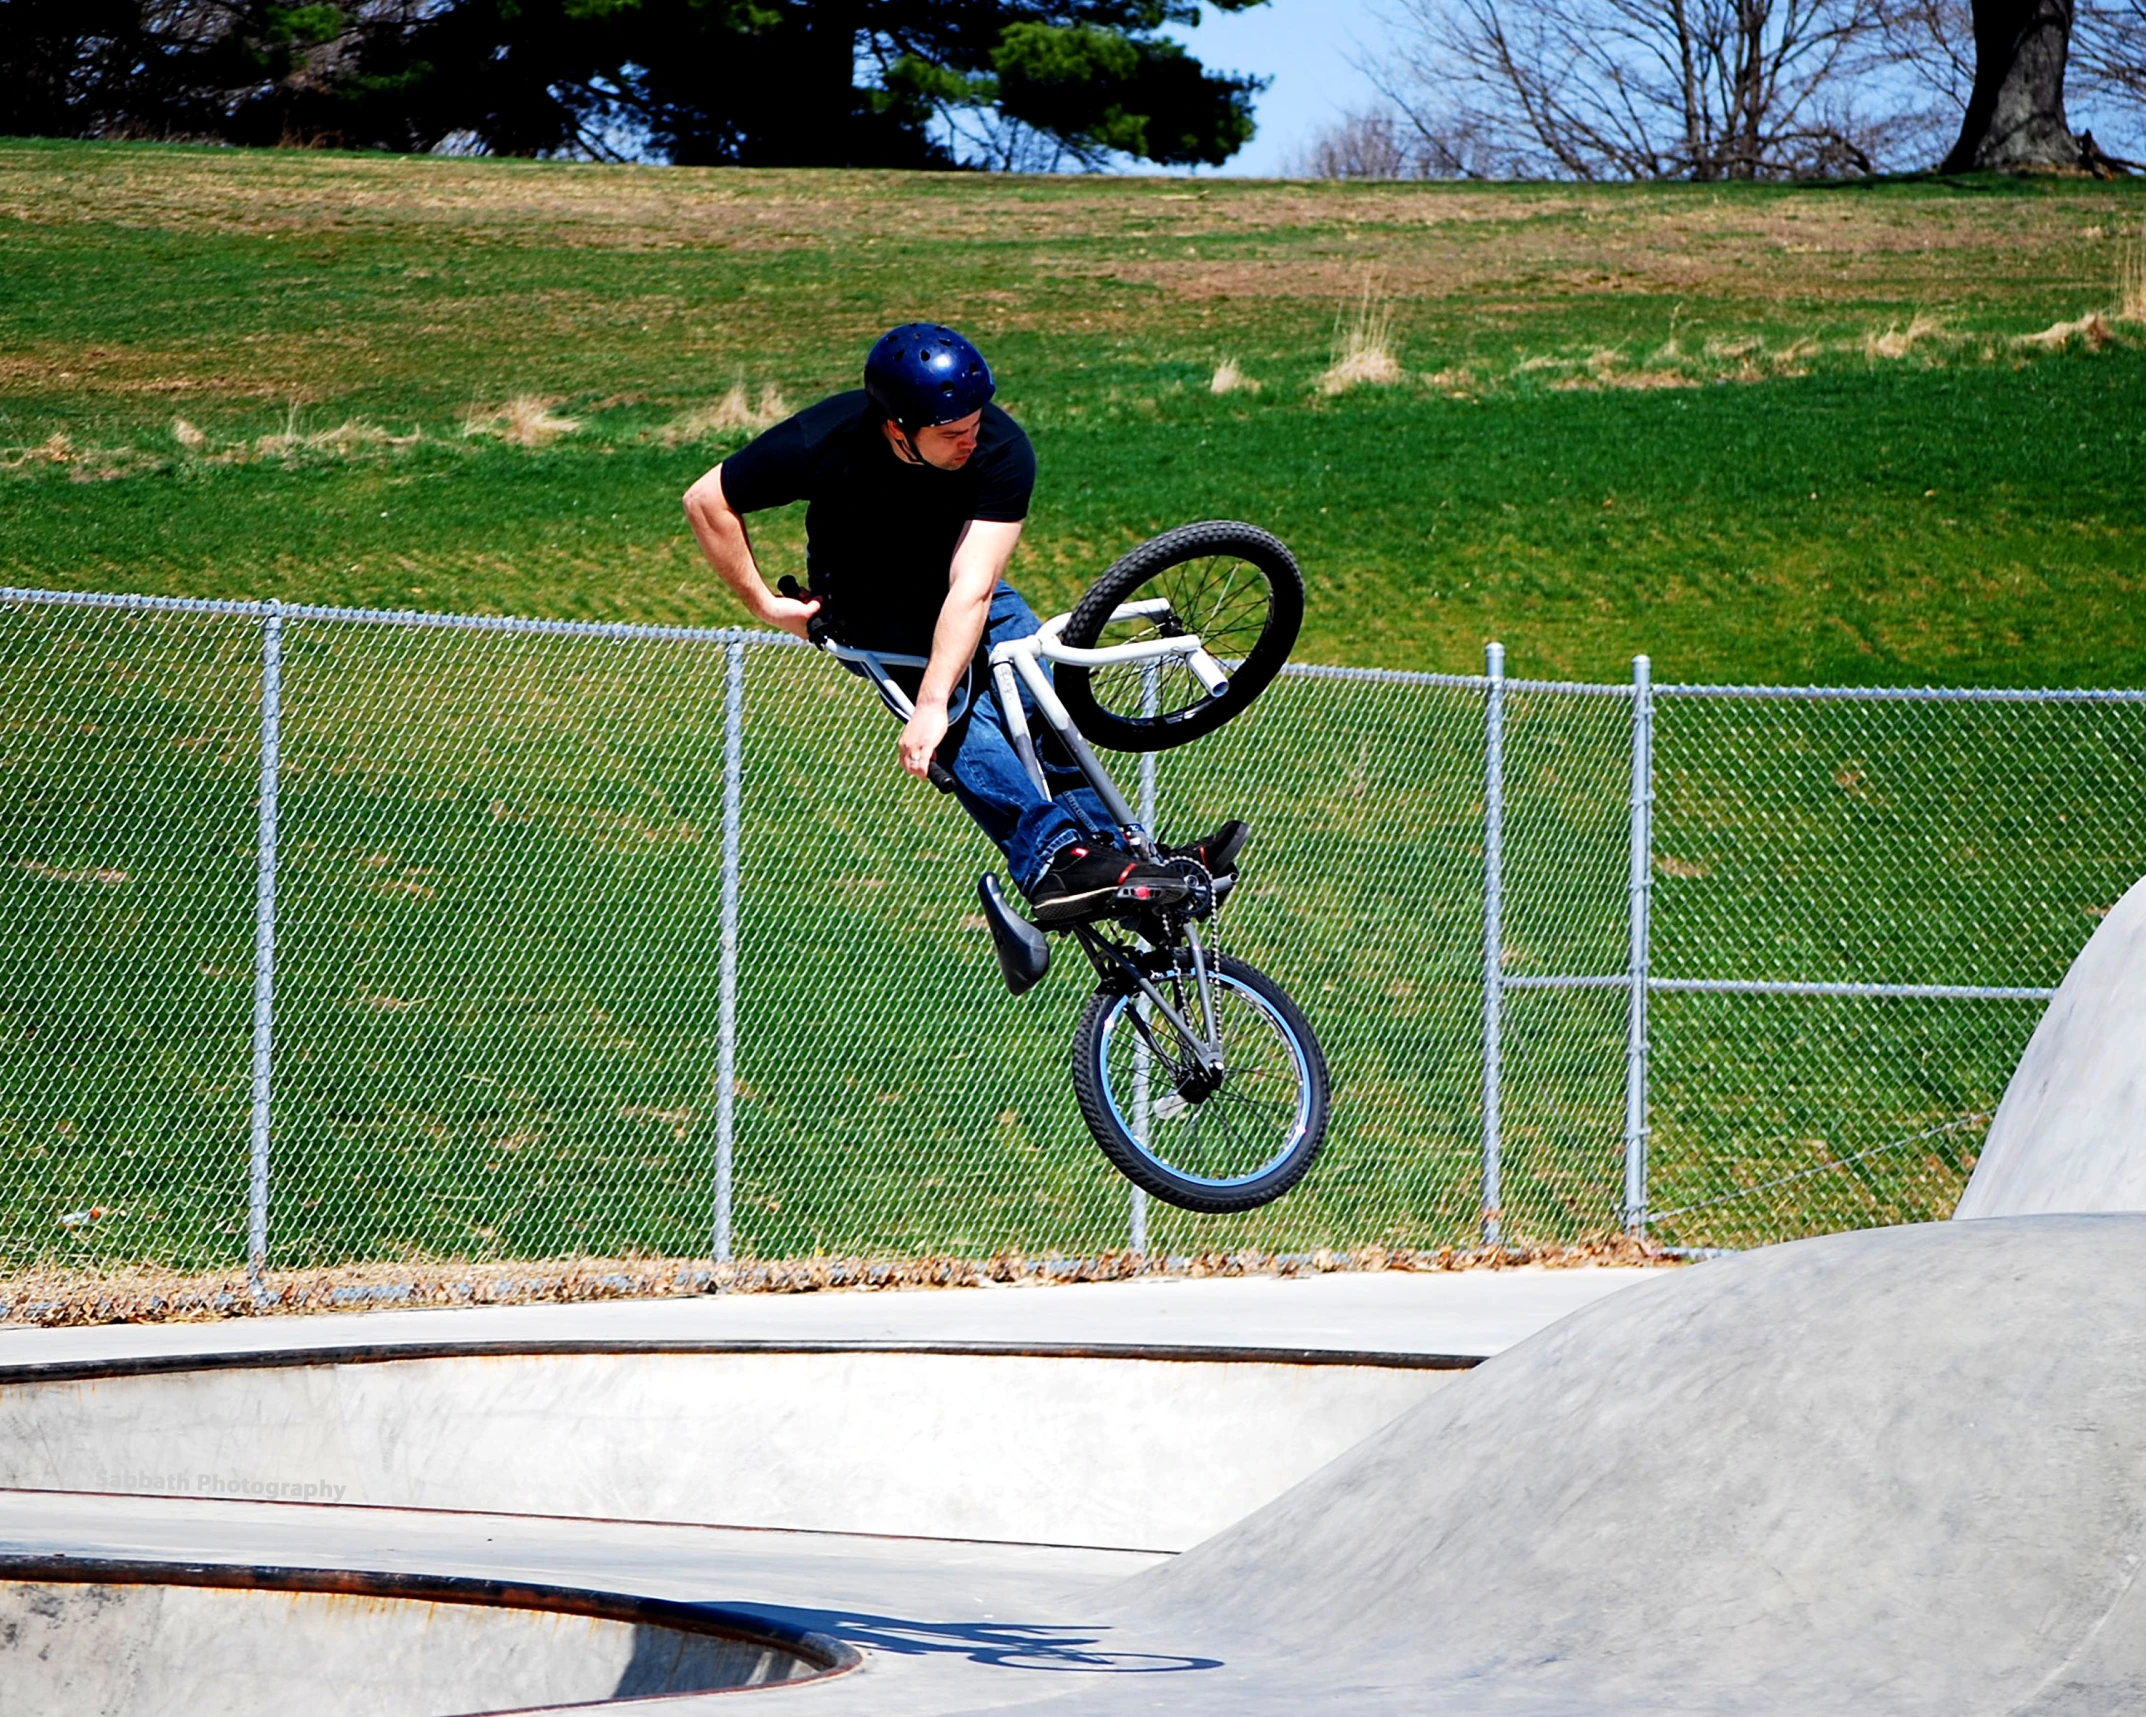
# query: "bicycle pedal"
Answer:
x=1173 y=893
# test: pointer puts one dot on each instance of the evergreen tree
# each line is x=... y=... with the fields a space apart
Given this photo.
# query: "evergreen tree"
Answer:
x=906 y=83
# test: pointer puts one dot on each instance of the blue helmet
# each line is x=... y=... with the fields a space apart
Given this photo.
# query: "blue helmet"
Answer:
x=922 y=373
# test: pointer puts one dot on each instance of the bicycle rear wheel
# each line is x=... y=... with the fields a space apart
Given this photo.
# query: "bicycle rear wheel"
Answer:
x=1234 y=585
x=1232 y=1144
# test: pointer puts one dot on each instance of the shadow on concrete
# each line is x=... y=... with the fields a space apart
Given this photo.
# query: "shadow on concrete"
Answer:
x=1004 y=1645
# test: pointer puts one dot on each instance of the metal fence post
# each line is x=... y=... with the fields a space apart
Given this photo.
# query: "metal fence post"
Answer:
x=1493 y=936
x=1136 y=1225
x=264 y=949
x=1639 y=892
x=726 y=1052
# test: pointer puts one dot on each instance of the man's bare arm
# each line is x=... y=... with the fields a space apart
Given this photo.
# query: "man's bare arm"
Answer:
x=980 y=559
x=721 y=535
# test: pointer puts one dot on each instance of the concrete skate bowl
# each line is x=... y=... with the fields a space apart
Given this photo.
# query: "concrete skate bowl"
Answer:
x=2070 y=1134
x=112 y=1639
x=1901 y=1471
x=1111 y=1448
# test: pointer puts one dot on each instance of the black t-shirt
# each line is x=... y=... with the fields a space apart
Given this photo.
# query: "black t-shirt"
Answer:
x=880 y=533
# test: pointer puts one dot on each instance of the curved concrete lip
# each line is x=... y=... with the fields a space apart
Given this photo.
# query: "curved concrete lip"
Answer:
x=1473 y=1313
x=213 y=1358
x=827 y=1655
x=817 y=1655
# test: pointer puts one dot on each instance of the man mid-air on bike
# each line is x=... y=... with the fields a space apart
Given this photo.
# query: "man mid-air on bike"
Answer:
x=916 y=487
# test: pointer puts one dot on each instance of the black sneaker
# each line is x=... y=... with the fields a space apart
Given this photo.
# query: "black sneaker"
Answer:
x=1088 y=881
x=1217 y=852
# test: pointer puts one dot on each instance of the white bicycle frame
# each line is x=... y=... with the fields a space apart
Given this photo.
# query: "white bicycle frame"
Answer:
x=1018 y=663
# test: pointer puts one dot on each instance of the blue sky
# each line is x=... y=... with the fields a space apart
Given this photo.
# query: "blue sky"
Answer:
x=1305 y=46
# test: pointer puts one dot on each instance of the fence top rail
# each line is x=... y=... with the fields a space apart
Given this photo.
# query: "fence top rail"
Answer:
x=108 y=599
x=1909 y=694
x=620 y=630
x=1385 y=676
x=632 y=631
x=1570 y=688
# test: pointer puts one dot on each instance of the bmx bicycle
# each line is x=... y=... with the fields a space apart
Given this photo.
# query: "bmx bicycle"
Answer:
x=1200 y=1079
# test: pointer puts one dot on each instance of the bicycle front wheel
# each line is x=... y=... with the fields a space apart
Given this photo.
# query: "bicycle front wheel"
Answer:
x=1201 y=1141
x=1235 y=586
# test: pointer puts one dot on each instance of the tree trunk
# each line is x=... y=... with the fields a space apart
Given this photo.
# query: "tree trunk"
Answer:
x=2015 y=116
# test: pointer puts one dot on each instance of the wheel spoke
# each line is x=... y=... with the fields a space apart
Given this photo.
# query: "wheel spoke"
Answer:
x=1242 y=1128
x=1224 y=599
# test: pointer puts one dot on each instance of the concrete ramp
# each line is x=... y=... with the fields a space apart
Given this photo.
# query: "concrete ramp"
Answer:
x=2071 y=1131
x=1901 y=1471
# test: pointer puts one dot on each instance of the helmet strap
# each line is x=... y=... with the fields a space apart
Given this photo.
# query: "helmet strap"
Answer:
x=905 y=449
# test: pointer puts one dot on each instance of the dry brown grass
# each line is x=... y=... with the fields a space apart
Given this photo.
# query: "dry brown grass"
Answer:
x=92 y=464
x=1606 y=369
x=352 y=435
x=1431 y=242
x=1363 y=346
x=1638 y=381
x=2091 y=330
x=733 y=413
x=526 y=420
x=105 y=876
x=55 y=1298
x=55 y=449
x=148 y=372
x=1894 y=342
x=82 y=463
x=1229 y=378
x=1672 y=364
x=1424 y=240
x=2131 y=278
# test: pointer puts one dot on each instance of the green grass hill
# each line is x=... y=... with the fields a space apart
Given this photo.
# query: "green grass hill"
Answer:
x=1858 y=433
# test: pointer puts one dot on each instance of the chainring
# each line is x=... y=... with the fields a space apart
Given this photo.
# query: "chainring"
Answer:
x=1201 y=886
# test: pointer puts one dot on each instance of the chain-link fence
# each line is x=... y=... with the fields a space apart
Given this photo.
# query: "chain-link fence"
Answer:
x=337 y=938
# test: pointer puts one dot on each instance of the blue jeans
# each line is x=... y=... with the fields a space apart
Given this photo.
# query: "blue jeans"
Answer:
x=994 y=787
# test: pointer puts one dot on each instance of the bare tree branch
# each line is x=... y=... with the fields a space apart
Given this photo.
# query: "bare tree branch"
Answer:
x=2108 y=69
x=1661 y=89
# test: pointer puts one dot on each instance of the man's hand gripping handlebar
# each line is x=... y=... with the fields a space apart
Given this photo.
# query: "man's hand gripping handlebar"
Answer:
x=816 y=628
